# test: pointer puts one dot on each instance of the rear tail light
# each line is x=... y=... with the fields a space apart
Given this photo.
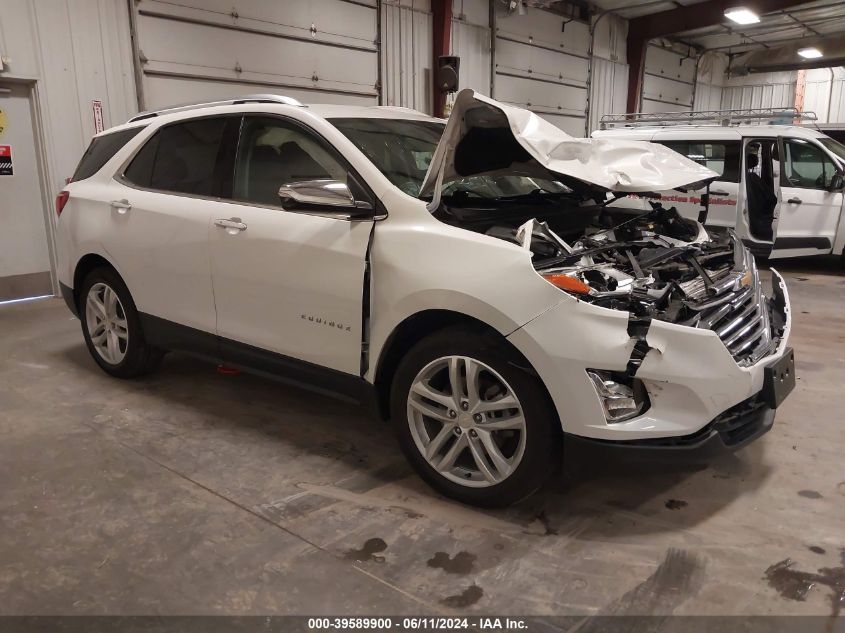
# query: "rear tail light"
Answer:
x=61 y=201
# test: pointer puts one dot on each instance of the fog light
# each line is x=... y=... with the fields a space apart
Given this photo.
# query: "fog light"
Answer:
x=622 y=398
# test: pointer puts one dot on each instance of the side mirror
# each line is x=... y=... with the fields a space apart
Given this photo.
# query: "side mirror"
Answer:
x=323 y=197
x=837 y=182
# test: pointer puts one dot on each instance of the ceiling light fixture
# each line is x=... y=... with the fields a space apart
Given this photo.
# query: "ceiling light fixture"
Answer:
x=810 y=53
x=741 y=15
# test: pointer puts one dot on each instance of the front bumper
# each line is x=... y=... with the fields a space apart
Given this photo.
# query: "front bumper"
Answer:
x=691 y=377
x=735 y=428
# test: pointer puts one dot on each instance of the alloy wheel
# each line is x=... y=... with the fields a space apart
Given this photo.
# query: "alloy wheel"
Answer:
x=107 y=325
x=466 y=421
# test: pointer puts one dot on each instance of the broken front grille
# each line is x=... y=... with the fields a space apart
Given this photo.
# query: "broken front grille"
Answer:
x=735 y=308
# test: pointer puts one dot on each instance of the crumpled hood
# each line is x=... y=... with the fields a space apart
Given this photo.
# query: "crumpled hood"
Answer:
x=485 y=137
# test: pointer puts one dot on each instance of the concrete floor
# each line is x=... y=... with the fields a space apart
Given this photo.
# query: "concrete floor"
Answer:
x=193 y=493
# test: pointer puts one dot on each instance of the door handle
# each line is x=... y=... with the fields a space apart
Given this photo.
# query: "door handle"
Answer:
x=719 y=193
x=794 y=200
x=234 y=224
x=122 y=206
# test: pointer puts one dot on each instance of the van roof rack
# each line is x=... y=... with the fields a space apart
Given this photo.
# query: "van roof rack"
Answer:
x=256 y=98
x=783 y=116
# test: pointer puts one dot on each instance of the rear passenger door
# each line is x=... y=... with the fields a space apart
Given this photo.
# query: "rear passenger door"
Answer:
x=288 y=285
x=161 y=209
x=722 y=155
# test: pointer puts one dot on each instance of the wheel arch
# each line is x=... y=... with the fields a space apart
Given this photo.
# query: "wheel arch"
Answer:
x=84 y=266
x=418 y=326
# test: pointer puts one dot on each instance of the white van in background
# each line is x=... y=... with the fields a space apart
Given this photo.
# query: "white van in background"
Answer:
x=780 y=186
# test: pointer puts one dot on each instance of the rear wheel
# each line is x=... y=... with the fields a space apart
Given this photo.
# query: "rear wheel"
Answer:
x=111 y=326
x=476 y=426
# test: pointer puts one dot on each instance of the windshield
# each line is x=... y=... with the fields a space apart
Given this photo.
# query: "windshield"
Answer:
x=834 y=146
x=402 y=151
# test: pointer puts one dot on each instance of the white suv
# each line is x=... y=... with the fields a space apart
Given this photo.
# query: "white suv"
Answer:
x=472 y=282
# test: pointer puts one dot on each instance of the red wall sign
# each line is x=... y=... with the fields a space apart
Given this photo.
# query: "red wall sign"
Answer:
x=6 y=160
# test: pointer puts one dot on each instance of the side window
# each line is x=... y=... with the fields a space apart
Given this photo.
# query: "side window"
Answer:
x=720 y=156
x=180 y=158
x=100 y=151
x=806 y=165
x=273 y=152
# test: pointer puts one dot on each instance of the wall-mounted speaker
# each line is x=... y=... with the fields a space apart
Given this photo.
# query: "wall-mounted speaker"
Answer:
x=447 y=72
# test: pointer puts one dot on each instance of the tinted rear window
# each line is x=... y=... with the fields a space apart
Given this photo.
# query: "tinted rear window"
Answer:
x=180 y=158
x=720 y=156
x=100 y=151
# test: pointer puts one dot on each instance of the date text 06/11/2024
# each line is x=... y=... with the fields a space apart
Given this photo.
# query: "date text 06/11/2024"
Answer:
x=427 y=623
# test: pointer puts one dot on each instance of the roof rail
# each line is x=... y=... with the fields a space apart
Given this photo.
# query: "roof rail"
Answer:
x=256 y=98
x=784 y=116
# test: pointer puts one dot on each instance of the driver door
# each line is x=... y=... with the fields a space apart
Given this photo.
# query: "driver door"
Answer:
x=809 y=210
x=288 y=285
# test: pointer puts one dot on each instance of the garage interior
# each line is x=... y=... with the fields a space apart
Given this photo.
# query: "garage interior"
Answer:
x=195 y=492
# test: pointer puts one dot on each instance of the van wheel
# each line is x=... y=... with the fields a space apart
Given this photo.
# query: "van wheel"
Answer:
x=475 y=425
x=111 y=326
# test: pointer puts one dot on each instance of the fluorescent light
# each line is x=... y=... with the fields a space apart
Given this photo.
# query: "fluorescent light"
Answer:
x=741 y=15
x=810 y=53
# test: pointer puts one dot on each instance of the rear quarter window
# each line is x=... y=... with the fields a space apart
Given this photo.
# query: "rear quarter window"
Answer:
x=100 y=151
x=181 y=158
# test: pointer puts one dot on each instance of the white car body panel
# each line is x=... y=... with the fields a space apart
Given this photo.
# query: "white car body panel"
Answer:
x=162 y=237
x=422 y=264
x=291 y=283
x=611 y=164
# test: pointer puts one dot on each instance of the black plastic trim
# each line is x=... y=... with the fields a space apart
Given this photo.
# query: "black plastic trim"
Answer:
x=70 y=300
x=803 y=242
x=293 y=371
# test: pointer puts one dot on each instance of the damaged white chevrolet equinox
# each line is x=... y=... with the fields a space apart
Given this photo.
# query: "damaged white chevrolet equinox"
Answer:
x=478 y=283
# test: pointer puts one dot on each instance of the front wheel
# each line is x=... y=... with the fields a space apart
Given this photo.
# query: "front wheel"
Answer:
x=111 y=327
x=474 y=424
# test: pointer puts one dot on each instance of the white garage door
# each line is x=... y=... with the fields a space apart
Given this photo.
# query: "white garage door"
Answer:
x=320 y=51
x=668 y=80
x=541 y=64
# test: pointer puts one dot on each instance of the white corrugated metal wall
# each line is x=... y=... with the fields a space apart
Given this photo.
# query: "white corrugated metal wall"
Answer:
x=609 y=72
x=406 y=36
x=824 y=94
x=470 y=40
x=710 y=81
x=69 y=54
x=320 y=50
x=764 y=90
x=74 y=53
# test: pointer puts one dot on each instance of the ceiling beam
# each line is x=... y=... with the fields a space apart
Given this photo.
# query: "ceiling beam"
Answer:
x=648 y=27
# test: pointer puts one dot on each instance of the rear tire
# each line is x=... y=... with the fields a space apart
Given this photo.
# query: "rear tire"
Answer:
x=490 y=441
x=112 y=328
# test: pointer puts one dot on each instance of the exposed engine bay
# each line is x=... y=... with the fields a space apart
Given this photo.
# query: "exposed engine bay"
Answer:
x=653 y=264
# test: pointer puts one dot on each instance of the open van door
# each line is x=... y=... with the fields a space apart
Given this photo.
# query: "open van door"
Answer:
x=810 y=199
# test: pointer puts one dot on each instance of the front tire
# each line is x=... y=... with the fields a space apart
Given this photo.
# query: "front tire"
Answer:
x=112 y=328
x=474 y=423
